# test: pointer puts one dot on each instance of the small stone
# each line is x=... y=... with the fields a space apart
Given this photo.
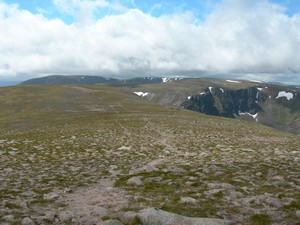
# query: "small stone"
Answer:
x=111 y=222
x=223 y=186
x=298 y=213
x=135 y=181
x=28 y=194
x=27 y=221
x=128 y=217
x=50 y=196
x=101 y=212
x=66 y=216
x=174 y=169
x=187 y=200
x=153 y=179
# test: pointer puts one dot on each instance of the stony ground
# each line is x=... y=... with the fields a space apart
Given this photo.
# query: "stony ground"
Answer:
x=105 y=165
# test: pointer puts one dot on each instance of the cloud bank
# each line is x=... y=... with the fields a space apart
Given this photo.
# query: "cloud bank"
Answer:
x=251 y=39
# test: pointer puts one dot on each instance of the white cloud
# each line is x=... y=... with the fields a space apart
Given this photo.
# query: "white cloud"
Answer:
x=250 y=39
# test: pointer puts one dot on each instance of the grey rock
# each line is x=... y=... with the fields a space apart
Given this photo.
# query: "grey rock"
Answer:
x=275 y=202
x=49 y=217
x=298 y=213
x=66 y=216
x=128 y=217
x=29 y=194
x=111 y=222
x=187 y=200
x=135 y=181
x=174 y=169
x=153 y=216
x=153 y=179
x=276 y=215
x=222 y=186
x=101 y=212
x=51 y=196
x=27 y=221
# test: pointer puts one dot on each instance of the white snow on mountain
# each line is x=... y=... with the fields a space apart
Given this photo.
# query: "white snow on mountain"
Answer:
x=254 y=116
x=233 y=81
x=141 y=94
x=288 y=95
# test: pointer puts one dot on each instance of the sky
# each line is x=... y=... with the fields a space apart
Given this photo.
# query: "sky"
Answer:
x=237 y=39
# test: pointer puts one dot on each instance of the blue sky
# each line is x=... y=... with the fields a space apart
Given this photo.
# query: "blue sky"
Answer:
x=200 y=8
x=251 y=39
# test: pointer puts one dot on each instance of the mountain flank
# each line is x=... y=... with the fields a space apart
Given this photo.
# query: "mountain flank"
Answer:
x=273 y=105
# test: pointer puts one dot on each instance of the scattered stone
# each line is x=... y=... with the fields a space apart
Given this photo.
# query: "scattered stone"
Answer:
x=135 y=181
x=49 y=217
x=27 y=221
x=9 y=218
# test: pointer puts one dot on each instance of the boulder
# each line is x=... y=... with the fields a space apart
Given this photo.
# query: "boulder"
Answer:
x=135 y=181
x=154 y=216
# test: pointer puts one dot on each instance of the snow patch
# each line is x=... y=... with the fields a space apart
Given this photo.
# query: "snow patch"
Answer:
x=165 y=79
x=203 y=93
x=288 y=95
x=260 y=89
x=256 y=81
x=189 y=97
x=141 y=94
x=254 y=116
x=233 y=81
x=210 y=89
x=222 y=90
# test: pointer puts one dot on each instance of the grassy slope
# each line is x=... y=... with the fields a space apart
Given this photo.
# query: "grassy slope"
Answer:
x=69 y=136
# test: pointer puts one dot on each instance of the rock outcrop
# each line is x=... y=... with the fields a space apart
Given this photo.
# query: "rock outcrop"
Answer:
x=226 y=102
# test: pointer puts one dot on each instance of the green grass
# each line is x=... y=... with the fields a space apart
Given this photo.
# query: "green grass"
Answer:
x=260 y=219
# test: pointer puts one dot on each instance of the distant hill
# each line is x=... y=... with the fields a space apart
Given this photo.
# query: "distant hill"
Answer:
x=87 y=79
x=274 y=105
x=74 y=79
x=277 y=106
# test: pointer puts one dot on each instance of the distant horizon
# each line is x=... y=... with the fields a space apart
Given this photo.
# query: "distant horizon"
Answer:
x=4 y=83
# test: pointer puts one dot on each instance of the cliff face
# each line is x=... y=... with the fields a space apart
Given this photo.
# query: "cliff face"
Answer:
x=225 y=102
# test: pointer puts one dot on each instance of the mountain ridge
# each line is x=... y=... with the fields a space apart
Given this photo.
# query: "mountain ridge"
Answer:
x=273 y=105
